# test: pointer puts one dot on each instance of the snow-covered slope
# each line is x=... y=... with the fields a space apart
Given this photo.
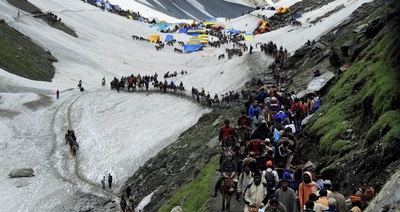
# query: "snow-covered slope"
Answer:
x=184 y=9
x=117 y=132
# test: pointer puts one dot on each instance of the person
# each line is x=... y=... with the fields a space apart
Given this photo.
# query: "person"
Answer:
x=297 y=109
x=355 y=204
x=228 y=169
x=273 y=206
x=225 y=130
x=309 y=206
x=110 y=179
x=103 y=82
x=306 y=165
x=332 y=205
x=340 y=199
x=103 y=182
x=251 y=49
x=286 y=195
x=271 y=176
x=122 y=203
x=256 y=120
x=58 y=94
x=244 y=122
x=306 y=187
x=361 y=191
x=245 y=178
x=128 y=191
x=256 y=194
x=318 y=207
x=253 y=108
x=323 y=199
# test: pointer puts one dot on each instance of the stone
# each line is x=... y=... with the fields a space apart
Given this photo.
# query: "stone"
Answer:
x=360 y=29
x=177 y=209
x=317 y=84
x=25 y=172
x=336 y=58
x=306 y=120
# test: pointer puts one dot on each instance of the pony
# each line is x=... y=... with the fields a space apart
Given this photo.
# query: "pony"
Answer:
x=227 y=189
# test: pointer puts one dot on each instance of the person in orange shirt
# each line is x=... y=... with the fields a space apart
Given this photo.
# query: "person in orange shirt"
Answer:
x=324 y=197
x=306 y=187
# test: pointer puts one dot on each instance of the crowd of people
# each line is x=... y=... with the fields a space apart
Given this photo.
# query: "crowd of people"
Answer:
x=257 y=151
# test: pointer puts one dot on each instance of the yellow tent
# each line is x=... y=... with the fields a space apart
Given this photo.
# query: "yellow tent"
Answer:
x=129 y=17
x=154 y=38
x=278 y=10
x=284 y=10
x=208 y=23
x=248 y=37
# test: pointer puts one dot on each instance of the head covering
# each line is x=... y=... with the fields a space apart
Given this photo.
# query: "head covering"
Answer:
x=267 y=140
x=228 y=154
x=284 y=180
x=257 y=174
x=269 y=163
x=355 y=199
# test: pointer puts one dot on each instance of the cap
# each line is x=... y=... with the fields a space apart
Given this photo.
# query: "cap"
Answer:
x=228 y=154
x=269 y=163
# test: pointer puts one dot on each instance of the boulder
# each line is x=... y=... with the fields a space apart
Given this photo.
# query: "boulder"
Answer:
x=177 y=209
x=306 y=120
x=336 y=58
x=374 y=27
x=316 y=84
x=360 y=29
x=346 y=47
x=26 y=172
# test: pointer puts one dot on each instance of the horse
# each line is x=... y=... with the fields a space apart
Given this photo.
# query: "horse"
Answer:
x=227 y=189
x=71 y=140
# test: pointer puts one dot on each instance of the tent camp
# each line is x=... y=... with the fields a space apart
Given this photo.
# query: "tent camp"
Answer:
x=195 y=31
x=282 y=10
x=192 y=47
x=154 y=38
x=248 y=36
x=169 y=38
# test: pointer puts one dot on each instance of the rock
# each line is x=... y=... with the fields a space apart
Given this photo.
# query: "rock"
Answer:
x=317 y=84
x=26 y=172
x=360 y=29
x=374 y=27
x=346 y=47
x=306 y=120
x=336 y=58
x=177 y=209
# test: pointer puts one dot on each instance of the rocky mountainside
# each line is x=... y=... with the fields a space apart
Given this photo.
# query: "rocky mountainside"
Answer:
x=354 y=136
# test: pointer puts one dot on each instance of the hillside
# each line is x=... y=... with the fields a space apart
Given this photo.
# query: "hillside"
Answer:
x=164 y=145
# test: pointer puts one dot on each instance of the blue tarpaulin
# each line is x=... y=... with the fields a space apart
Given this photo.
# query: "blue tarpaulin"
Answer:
x=169 y=38
x=296 y=16
x=183 y=30
x=192 y=47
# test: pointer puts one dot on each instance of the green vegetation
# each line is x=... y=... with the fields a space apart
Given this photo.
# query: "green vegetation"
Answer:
x=387 y=128
x=22 y=57
x=370 y=90
x=194 y=195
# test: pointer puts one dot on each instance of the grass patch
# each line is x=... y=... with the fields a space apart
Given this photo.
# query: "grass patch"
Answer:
x=371 y=88
x=195 y=195
x=22 y=57
x=386 y=129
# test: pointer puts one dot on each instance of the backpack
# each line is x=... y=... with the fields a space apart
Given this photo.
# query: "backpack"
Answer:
x=270 y=178
x=317 y=104
x=298 y=111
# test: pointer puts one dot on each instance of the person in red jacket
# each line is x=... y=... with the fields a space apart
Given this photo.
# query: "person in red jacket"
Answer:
x=297 y=110
x=225 y=130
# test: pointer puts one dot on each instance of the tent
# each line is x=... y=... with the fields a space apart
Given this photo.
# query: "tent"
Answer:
x=209 y=23
x=192 y=47
x=169 y=38
x=117 y=7
x=183 y=30
x=211 y=19
x=154 y=38
x=221 y=20
x=195 y=31
x=279 y=10
x=284 y=10
x=248 y=36
x=296 y=16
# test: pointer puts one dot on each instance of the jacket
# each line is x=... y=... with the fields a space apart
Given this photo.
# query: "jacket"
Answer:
x=256 y=194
